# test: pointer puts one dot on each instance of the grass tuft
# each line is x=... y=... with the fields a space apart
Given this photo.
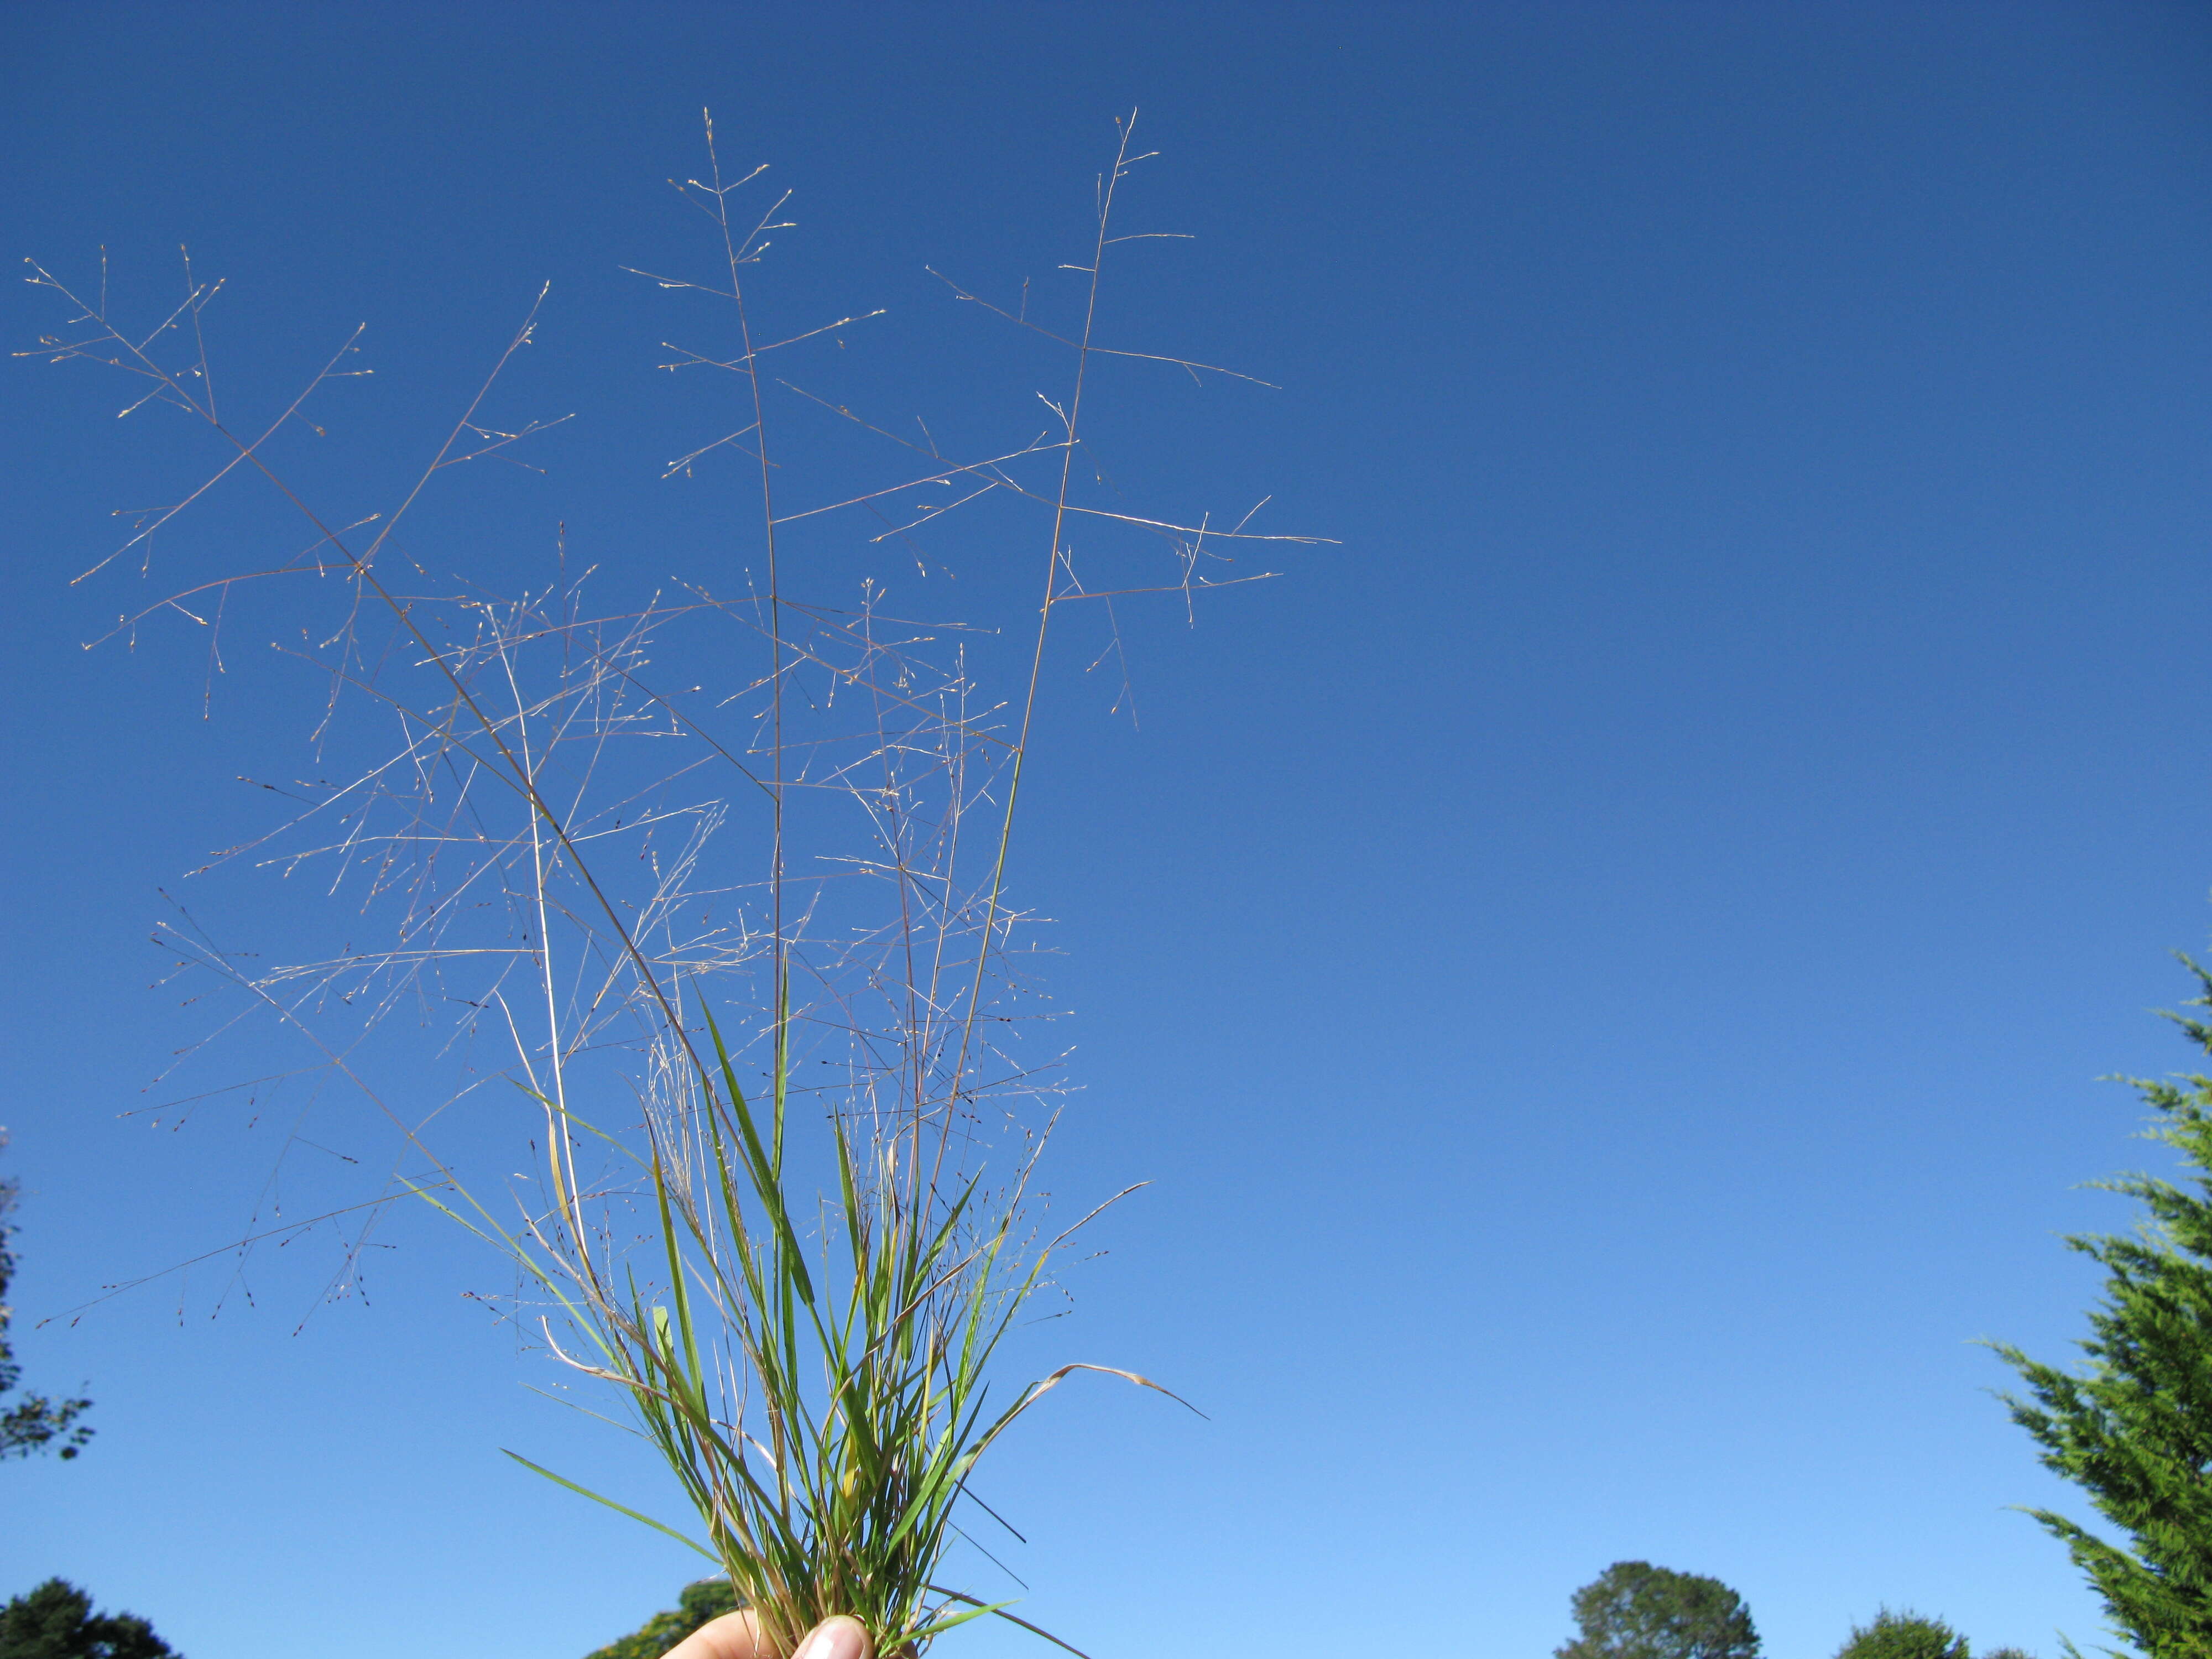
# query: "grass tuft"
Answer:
x=741 y=941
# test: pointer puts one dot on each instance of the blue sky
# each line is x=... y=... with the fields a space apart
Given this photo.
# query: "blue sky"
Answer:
x=1607 y=967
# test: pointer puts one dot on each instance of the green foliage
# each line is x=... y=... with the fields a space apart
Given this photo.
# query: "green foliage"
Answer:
x=1634 y=1610
x=56 y=1621
x=34 y=1422
x=710 y=1598
x=2134 y=1428
x=847 y=1508
x=1906 y=1635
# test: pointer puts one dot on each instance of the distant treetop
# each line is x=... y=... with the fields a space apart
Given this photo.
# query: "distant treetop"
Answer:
x=1906 y=1635
x=1634 y=1610
x=56 y=1621
x=710 y=1598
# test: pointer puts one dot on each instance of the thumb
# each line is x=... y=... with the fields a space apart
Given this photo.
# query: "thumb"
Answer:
x=839 y=1638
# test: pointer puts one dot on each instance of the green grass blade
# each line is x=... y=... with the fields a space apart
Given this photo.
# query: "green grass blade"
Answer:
x=619 y=1509
x=1000 y=1609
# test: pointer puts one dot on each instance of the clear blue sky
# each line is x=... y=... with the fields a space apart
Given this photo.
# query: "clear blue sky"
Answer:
x=1607 y=967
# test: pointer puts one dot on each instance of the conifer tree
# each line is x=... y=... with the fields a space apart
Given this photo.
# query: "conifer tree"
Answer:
x=2133 y=1428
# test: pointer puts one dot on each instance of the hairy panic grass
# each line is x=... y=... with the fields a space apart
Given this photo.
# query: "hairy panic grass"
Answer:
x=743 y=954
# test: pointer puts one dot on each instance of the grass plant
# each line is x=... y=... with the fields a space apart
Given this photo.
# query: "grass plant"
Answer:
x=749 y=948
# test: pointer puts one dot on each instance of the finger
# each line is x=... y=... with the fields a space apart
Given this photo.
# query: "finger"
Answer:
x=839 y=1638
x=733 y=1635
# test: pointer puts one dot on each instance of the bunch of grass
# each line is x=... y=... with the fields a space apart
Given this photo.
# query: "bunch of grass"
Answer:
x=799 y=1286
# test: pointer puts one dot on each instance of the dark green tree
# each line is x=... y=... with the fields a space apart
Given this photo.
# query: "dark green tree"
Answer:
x=2133 y=1428
x=1634 y=1610
x=56 y=1621
x=34 y=1422
x=710 y=1598
x=1906 y=1634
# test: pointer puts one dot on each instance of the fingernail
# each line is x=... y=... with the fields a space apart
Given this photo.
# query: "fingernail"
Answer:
x=835 y=1638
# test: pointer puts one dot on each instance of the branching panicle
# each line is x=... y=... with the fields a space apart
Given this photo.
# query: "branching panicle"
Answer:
x=724 y=942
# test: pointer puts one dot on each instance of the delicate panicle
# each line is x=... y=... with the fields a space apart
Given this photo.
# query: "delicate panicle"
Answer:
x=738 y=957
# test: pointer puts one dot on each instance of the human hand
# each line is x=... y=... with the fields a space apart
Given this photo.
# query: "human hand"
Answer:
x=738 y=1636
